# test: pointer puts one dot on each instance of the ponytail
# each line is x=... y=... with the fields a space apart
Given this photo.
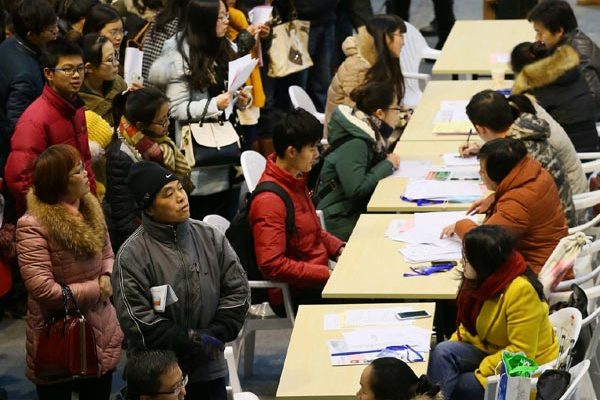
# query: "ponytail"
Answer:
x=425 y=387
x=138 y=105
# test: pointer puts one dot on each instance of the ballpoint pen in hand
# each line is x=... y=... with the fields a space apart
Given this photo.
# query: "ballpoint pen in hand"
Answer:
x=469 y=137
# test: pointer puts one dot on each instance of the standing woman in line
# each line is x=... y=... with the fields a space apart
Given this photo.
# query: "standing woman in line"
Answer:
x=193 y=71
x=106 y=21
x=62 y=240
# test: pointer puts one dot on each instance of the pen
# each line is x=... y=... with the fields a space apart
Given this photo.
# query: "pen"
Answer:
x=469 y=137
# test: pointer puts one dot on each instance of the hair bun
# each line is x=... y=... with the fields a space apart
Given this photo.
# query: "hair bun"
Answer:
x=424 y=386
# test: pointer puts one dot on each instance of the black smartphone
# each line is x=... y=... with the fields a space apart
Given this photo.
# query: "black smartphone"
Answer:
x=413 y=315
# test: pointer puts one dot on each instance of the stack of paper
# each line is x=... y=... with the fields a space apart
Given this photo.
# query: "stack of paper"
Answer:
x=361 y=346
x=454 y=190
x=412 y=169
x=452 y=118
x=424 y=238
x=239 y=71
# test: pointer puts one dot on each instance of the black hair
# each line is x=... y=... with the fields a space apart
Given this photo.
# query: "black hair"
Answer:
x=500 y=156
x=392 y=379
x=296 y=128
x=173 y=9
x=554 y=15
x=91 y=45
x=144 y=369
x=490 y=109
x=73 y=10
x=205 y=48
x=386 y=68
x=521 y=103
x=372 y=96
x=99 y=16
x=56 y=49
x=32 y=16
x=526 y=53
x=138 y=105
x=487 y=248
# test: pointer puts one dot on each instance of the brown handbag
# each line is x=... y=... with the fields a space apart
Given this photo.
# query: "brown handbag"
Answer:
x=66 y=347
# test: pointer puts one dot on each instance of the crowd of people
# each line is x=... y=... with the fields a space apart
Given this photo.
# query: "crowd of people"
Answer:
x=105 y=182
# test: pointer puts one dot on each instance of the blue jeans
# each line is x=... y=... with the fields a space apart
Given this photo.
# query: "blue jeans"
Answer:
x=451 y=366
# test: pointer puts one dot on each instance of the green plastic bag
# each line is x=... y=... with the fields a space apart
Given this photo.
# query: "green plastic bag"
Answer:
x=518 y=365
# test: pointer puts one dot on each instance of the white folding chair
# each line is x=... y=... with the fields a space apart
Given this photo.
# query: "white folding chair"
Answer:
x=300 y=99
x=234 y=389
x=260 y=316
x=578 y=374
x=217 y=221
x=253 y=165
x=567 y=322
x=415 y=49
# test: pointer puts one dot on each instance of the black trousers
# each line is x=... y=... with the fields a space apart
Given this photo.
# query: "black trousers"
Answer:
x=443 y=10
x=89 y=388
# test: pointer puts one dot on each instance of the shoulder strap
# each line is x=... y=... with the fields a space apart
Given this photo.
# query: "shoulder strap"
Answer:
x=290 y=217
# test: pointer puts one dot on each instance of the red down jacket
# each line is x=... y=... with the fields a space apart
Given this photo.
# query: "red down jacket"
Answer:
x=49 y=120
x=302 y=260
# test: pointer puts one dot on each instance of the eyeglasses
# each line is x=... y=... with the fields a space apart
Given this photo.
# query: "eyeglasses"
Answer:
x=70 y=71
x=163 y=124
x=114 y=60
x=395 y=108
x=115 y=33
x=223 y=17
x=178 y=389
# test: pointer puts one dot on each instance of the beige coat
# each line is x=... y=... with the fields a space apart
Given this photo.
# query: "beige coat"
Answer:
x=360 y=56
x=54 y=247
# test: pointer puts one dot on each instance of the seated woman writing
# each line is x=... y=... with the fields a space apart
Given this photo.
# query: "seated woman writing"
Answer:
x=501 y=307
x=525 y=201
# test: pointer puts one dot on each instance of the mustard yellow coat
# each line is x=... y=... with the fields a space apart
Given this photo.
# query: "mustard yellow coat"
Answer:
x=515 y=321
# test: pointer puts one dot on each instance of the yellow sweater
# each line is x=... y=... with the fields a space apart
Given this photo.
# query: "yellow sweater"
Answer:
x=100 y=132
x=237 y=22
x=515 y=321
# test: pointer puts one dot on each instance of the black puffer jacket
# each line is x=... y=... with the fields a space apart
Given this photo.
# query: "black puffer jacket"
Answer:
x=589 y=60
x=319 y=12
x=560 y=88
x=118 y=204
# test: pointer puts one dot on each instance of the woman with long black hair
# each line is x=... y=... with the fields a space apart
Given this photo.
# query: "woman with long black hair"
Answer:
x=193 y=70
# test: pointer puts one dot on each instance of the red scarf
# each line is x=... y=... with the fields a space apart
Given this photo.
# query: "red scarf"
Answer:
x=470 y=300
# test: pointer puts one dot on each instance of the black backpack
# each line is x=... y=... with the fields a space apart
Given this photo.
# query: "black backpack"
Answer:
x=240 y=233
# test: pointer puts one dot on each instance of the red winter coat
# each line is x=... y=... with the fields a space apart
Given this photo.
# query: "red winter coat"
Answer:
x=49 y=120
x=55 y=246
x=302 y=260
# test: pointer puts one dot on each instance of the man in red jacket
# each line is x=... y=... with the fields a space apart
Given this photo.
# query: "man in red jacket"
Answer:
x=300 y=260
x=56 y=117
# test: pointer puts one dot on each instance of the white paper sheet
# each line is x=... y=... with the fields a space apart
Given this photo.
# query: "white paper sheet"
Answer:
x=379 y=338
x=412 y=169
x=459 y=191
x=398 y=226
x=239 y=71
x=428 y=226
x=132 y=66
x=260 y=14
x=452 y=111
x=332 y=322
x=422 y=253
x=374 y=316
x=455 y=160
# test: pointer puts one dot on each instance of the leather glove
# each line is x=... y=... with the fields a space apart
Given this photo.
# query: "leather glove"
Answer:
x=205 y=345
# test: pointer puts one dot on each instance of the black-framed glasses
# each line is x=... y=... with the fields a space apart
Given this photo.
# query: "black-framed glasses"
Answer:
x=70 y=71
x=394 y=108
x=178 y=389
x=115 y=33
x=112 y=60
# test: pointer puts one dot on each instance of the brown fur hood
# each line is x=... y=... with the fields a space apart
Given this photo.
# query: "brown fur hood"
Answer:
x=362 y=44
x=547 y=70
x=83 y=236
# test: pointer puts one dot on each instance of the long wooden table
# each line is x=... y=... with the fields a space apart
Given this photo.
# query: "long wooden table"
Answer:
x=471 y=45
x=420 y=126
x=307 y=372
x=371 y=267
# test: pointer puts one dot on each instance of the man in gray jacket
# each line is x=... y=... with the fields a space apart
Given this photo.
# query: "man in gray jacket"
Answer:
x=178 y=284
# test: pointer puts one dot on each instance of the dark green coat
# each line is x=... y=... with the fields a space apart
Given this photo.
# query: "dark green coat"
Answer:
x=352 y=168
